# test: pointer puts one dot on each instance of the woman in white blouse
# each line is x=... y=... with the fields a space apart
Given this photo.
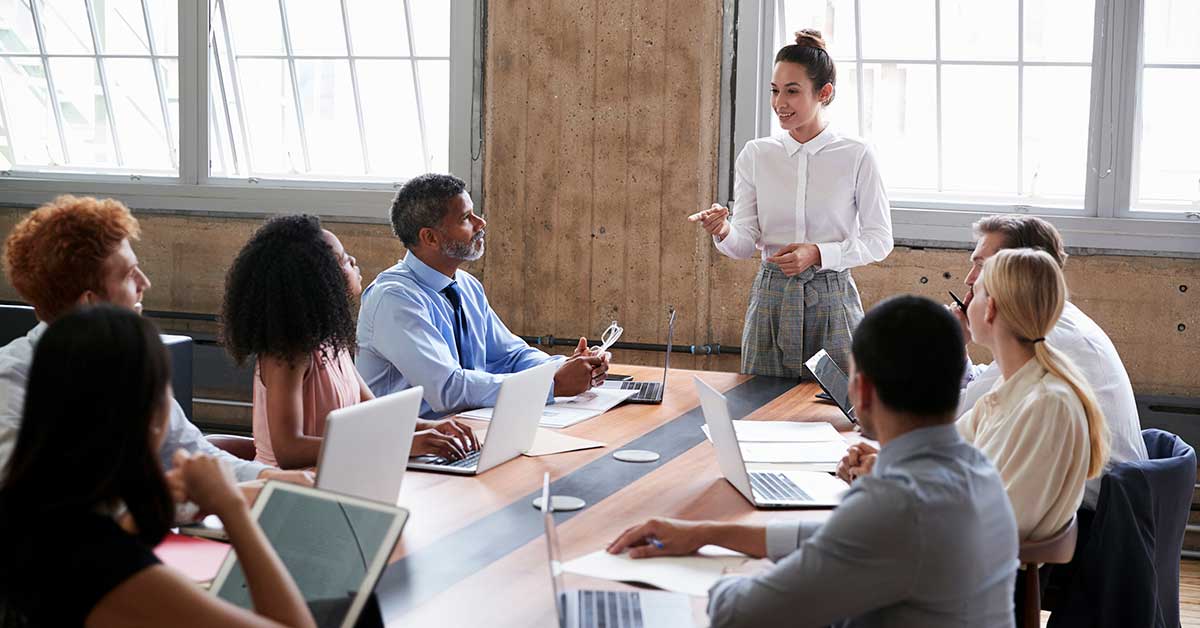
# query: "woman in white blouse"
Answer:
x=1040 y=424
x=811 y=203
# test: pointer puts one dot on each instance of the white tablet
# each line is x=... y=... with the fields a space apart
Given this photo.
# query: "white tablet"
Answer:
x=335 y=546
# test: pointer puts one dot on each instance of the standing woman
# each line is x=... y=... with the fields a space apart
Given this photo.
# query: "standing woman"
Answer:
x=813 y=203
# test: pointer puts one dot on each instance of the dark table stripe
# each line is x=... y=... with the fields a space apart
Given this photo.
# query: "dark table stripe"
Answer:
x=419 y=576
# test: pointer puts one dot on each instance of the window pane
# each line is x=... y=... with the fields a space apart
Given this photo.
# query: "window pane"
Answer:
x=897 y=30
x=222 y=129
x=390 y=116
x=330 y=121
x=834 y=18
x=65 y=25
x=435 y=92
x=33 y=135
x=271 y=117
x=316 y=27
x=900 y=116
x=1055 y=131
x=85 y=118
x=164 y=26
x=979 y=31
x=138 y=112
x=121 y=27
x=431 y=27
x=256 y=26
x=979 y=129
x=1059 y=30
x=169 y=68
x=1171 y=27
x=1169 y=164
x=378 y=27
x=16 y=27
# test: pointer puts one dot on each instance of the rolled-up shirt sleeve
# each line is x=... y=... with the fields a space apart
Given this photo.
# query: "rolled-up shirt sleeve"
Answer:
x=874 y=240
x=182 y=434
x=870 y=539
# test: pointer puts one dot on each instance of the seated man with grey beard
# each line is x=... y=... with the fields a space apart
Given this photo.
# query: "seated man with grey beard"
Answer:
x=426 y=322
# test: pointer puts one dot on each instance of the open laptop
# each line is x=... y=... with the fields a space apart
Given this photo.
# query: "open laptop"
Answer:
x=513 y=427
x=764 y=489
x=833 y=381
x=365 y=448
x=609 y=609
x=335 y=546
x=649 y=392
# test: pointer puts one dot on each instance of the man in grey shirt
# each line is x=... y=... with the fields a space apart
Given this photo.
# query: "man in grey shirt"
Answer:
x=928 y=539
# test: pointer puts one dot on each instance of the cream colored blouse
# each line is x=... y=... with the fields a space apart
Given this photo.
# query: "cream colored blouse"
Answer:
x=1034 y=429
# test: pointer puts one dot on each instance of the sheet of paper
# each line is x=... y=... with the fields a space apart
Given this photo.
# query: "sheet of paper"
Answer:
x=567 y=411
x=548 y=442
x=693 y=575
x=794 y=452
x=782 y=432
x=198 y=559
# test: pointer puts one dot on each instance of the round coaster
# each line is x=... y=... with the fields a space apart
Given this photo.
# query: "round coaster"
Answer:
x=635 y=455
x=561 y=503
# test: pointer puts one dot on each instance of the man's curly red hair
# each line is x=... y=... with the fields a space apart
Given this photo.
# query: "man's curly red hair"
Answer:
x=57 y=252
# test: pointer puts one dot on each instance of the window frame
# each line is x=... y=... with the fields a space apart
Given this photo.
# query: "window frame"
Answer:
x=195 y=191
x=1105 y=222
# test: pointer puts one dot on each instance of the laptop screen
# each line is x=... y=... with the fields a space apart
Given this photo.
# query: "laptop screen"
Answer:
x=833 y=380
x=556 y=570
x=334 y=546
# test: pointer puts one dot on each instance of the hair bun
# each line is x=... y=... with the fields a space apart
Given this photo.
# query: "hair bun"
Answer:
x=810 y=38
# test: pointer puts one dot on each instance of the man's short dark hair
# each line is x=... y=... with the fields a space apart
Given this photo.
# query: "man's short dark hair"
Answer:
x=911 y=348
x=422 y=202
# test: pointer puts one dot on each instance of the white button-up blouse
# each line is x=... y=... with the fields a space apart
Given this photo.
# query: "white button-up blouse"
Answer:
x=826 y=191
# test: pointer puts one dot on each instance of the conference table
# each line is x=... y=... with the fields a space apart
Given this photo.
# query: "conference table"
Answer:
x=473 y=552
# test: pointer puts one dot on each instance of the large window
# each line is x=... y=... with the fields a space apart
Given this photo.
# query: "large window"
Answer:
x=225 y=104
x=1078 y=109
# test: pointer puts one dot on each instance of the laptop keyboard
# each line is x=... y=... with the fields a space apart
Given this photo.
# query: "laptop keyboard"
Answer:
x=471 y=460
x=777 y=487
x=609 y=609
x=645 y=390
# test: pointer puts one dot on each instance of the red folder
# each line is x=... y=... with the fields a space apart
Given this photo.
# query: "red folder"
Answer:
x=198 y=559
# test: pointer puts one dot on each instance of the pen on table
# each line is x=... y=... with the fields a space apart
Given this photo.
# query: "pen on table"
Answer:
x=958 y=301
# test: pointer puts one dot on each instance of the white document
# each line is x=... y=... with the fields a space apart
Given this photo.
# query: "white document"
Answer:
x=782 y=432
x=826 y=452
x=548 y=442
x=567 y=411
x=693 y=575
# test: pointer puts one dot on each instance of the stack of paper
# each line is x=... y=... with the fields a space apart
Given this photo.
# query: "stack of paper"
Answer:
x=693 y=575
x=789 y=442
x=567 y=411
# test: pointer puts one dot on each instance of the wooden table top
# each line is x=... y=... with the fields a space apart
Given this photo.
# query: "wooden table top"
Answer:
x=473 y=552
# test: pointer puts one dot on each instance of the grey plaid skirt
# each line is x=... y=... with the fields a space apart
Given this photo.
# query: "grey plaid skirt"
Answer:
x=791 y=318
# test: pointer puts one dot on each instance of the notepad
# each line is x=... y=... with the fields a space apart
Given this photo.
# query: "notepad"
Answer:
x=782 y=432
x=826 y=452
x=198 y=559
x=547 y=442
x=567 y=411
x=693 y=575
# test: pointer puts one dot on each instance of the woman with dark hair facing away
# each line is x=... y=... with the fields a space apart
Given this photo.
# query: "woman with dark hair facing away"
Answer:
x=77 y=547
x=289 y=302
x=811 y=203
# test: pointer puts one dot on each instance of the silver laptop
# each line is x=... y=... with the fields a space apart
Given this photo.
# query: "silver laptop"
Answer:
x=649 y=392
x=513 y=427
x=334 y=546
x=833 y=381
x=365 y=448
x=608 y=609
x=774 y=489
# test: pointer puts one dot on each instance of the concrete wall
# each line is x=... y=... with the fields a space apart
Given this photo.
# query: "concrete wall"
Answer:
x=601 y=136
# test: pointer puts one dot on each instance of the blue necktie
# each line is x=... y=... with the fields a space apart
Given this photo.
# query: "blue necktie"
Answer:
x=460 y=320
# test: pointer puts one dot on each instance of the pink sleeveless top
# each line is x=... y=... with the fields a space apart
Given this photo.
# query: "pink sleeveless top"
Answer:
x=329 y=384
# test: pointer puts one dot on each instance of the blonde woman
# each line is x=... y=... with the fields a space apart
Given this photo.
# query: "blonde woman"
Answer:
x=1040 y=424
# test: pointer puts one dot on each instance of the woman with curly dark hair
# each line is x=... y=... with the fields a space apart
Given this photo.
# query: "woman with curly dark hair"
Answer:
x=289 y=302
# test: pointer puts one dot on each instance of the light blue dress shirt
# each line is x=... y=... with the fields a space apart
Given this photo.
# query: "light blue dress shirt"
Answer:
x=927 y=539
x=406 y=339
